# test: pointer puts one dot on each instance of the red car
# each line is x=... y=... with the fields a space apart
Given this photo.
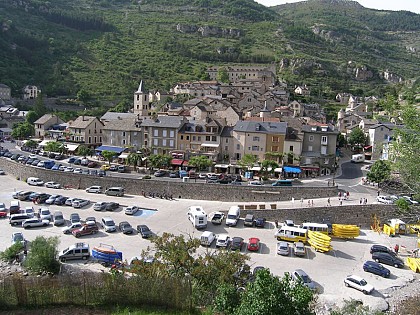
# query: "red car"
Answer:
x=253 y=244
x=3 y=214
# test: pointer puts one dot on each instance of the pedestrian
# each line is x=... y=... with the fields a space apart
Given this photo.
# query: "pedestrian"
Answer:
x=309 y=203
x=348 y=195
x=378 y=192
x=328 y=183
x=396 y=248
x=328 y=202
x=301 y=202
x=312 y=202
x=360 y=201
x=416 y=252
x=365 y=201
x=341 y=202
x=339 y=194
x=293 y=200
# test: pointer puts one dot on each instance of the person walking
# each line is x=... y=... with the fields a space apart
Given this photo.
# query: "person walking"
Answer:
x=312 y=202
x=396 y=248
x=329 y=202
x=301 y=202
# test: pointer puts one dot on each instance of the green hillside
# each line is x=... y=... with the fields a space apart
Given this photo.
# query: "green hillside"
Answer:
x=105 y=47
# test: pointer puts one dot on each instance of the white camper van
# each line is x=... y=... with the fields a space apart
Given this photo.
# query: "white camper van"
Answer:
x=197 y=216
x=233 y=216
x=357 y=158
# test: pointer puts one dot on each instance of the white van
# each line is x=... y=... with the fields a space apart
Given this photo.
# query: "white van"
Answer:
x=35 y=181
x=197 y=216
x=207 y=238
x=115 y=191
x=233 y=216
x=357 y=158
x=77 y=251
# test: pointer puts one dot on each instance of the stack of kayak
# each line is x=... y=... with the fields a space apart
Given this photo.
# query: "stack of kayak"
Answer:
x=106 y=254
x=319 y=241
x=345 y=230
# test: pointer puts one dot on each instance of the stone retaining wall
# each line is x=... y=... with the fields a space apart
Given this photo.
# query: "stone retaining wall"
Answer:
x=191 y=190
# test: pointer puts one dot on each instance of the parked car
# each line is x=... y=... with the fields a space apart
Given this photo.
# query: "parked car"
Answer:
x=74 y=217
x=56 y=167
x=300 y=275
x=249 y=220
x=218 y=218
x=358 y=283
x=144 y=231
x=90 y=220
x=108 y=224
x=45 y=214
x=94 y=189
x=99 y=206
x=237 y=243
x=410 y=200
x=34 y=222
x=78 y=170
x=381 y=248
x=86 y=229
x=160 y=173
x=60 y=201
x=52 y=185
x=384 y=199
x=92 y=164
x=299 y=249
x=3 y=210
x=23 y=195
x=80 y=203
x=71 y=160
x=255 y=183
x=85 y=172
x=70 y=200
x=51 y=199
x=18 y=237
x=131 y=210
x=174 y=174
x=101 y=173
x=126 y=227
x=253 y=244
x=105 y=167
x=388 y=259
x=376 y=268
x=15 y=195
x=113 y=168
x=68 y=169
x=283 y=248
x=111 y=206
x=58 y=218
x=260 y=222
x=223 y=240
x=71 y=227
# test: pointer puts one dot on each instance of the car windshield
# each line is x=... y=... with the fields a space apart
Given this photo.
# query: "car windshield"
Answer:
x=232 y=216
x=305 y=279
x=18 y=237
x=109 y=223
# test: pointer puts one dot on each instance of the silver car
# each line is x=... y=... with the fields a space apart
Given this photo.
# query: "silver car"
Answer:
x=34 y=222
x=300 y=275
x=283 y=248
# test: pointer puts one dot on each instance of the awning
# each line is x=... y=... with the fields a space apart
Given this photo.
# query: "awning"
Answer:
x=44 y=142
x=255 y=168
x=210 y=145
x=71 y=147
x=309 y=168
x=185 y=163
x=177 y=162
x=221 y=166
x=123 y=155
x=278 y=170
x=291 y=169
x=110 y=148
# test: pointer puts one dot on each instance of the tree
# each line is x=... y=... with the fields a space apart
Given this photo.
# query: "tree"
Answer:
x=31 y=117
x=248 y=161
x=405 y=148
x=269 y=294
x=43 y=255
x=227 y=299
x=341 y=140
x=357 y=138
x=31 y=144
x=84 y=150
x=133 y=159
x=108 y=155
x=23 y=130
x=83 y=96
x=379 y=172
x=222 y=75
x=159 y=160
x=268 y=166
x=39 y=106
x=54 y=146
x=11 y=252
x=389 y=104
x=200 y=162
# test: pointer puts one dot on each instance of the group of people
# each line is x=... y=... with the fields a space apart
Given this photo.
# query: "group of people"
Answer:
x=363 y=201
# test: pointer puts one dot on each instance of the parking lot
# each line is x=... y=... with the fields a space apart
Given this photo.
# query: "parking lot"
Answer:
x=327 y=270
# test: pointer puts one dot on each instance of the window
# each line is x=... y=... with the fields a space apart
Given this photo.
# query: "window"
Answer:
x=256 y=139
x=182 y=137
x=311 y=138
x=155 y=133
x=155 y=142
x=199 y=138
x=308 y=160
x=164 y=142
x=213 y=138
x=324 y=139
x=291 y=148
x=274 y=148
x=123 y=142
x=238 y=147
x=324 y=150
x=226 y=148
x=385 y=137
x=171 y=133
x=171 y=143
x=207 y=138
x=275 y=139
x=326 y=161
x=227 y=141
x=164 y=133
x=188 y=138
x=193 y=138
x=309 y=148
x=239 y=137
x=255 y=148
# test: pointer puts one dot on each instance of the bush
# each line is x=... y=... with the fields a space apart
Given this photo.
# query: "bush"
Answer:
x=11 y=252
x=147 y=177
x=42 y=256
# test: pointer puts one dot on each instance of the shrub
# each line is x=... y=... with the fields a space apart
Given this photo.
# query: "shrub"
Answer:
x=147 y=177
x=42 y=256
x=11 y=252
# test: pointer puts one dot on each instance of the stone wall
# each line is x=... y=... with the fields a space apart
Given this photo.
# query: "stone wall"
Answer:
x=192 y=190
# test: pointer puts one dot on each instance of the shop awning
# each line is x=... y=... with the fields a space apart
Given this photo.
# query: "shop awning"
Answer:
x=185 y=163
x=278 y=170
x=123 y=155
x=71 y=147
x=309 y=168
x=221 y=166
x=210 y=145
x=110 y=148
x=177 y=162
x=44 y=142
x=292 y=169
x=255 y=168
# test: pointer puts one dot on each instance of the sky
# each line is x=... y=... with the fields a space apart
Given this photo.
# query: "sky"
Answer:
x=395 y=5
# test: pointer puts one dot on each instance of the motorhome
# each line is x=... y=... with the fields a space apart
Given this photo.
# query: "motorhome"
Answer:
x=357 y=158
x=197 y=216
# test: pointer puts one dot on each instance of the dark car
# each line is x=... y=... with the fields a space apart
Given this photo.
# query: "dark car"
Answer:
x=249 y=220
x=237 y=243
x=60 y=201
x=376 y=268
x=174 y=174
x=59 y=157
x=260 y=222
x=224 y=179
x=35 y=162
x=382 y=249
x=388 y=259
x=160 y=173
x=93 y=172
x=71 y=160
x=92 y=164
x=29 y=161
x=52 y=155
x=74 y=217
x=126 y=228
x=111 y=206
x=101 y=173
x=144 y=231
x=77 y=162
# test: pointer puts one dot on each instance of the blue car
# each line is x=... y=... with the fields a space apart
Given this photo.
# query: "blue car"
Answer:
x=71 y=160
x=376 y=268
x=56 y=167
